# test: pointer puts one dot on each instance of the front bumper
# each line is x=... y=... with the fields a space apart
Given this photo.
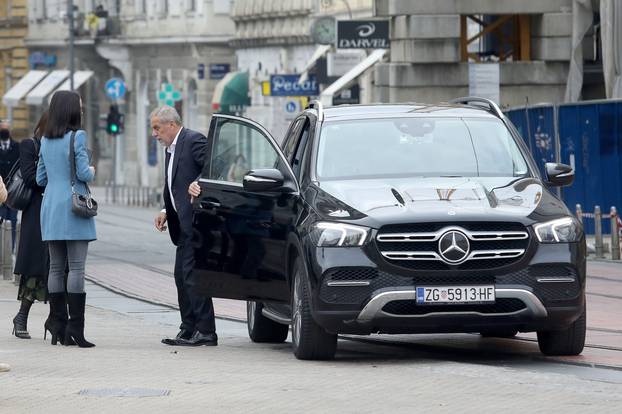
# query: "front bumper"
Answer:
x=357 y=295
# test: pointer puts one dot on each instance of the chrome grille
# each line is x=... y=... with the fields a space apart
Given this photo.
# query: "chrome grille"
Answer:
x=490 y=245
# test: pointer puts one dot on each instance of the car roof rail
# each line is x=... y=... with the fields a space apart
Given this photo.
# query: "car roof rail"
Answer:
x=489 y=105
x=316 y=104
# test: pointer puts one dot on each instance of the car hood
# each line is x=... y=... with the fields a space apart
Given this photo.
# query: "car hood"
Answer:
x=442 y=198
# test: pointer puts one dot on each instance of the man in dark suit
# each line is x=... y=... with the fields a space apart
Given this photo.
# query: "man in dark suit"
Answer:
x=9 y=154
x=186 y=151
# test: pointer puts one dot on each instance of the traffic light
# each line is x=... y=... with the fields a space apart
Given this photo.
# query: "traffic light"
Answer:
x=114 y=121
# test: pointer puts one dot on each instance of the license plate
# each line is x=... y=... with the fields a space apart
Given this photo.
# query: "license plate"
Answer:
x=430 y=295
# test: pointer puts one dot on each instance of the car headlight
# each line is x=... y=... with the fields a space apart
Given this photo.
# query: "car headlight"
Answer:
x=563 y=230
x=326 y=234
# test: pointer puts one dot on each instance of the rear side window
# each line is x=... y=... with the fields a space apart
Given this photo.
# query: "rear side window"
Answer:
x=300 y=150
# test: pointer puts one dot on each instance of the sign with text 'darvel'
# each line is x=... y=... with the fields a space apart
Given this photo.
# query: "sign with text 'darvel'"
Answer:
x=363 y=34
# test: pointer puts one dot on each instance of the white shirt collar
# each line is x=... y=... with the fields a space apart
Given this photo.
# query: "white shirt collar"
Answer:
x=171 y=148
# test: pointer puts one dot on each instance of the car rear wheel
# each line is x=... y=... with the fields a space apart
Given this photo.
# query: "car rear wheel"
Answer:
x=568 y=341
x=262 y=329
x=309 y=340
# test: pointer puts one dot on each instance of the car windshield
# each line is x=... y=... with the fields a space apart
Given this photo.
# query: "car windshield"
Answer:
x=418 y=147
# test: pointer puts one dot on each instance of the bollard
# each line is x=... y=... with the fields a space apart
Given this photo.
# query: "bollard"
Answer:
x=7 y=251
x=579 y=213
x=615 y=235
x=598 y=232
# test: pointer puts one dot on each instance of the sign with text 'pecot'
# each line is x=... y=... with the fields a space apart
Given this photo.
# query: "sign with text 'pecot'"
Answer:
x=363 y=34
x=287 y=85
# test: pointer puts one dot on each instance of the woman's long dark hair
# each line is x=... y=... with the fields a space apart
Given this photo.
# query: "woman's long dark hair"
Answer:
x=64 y=114
x=39 y=131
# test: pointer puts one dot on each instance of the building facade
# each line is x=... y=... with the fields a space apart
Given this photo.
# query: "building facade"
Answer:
x=274 y=38
x=13 y=60
x=433 y=43
x=163 y=51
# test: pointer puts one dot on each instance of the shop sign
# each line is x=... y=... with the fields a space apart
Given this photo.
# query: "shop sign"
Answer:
x=363 y=34
x=219 y=70
x=41 y=59
x=168 y=95
x=288 y=85
x=347 y=96
x=340 y=63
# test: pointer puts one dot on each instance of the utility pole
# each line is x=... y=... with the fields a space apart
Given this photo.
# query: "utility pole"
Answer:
x=71 y=42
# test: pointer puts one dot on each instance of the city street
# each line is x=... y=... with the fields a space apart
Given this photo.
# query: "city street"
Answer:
x=130 y=371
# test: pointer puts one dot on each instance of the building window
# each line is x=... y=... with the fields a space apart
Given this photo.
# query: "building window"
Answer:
x=191 y=5
x=497 y=38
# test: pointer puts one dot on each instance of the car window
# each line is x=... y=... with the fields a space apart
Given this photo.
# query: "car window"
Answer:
x=416 y=146
x=300 y=150
x=238 y=148
x=292 y=138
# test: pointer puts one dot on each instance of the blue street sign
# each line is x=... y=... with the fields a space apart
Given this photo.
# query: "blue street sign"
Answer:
x=291 y=106
x=115 y=88
x=287 y=85
x=201 y=71
x=219 y=70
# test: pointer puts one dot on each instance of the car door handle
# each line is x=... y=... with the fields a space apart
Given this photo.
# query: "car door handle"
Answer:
x=209 y=204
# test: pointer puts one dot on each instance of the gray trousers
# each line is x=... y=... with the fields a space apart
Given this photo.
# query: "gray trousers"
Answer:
x=73 y=254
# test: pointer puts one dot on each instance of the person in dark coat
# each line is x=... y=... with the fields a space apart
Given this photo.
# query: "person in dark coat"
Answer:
x=9 y=153
x=186 y=151
x=32 y=262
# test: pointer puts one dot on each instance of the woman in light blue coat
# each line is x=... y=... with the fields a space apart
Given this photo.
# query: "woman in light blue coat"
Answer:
x=67 y=234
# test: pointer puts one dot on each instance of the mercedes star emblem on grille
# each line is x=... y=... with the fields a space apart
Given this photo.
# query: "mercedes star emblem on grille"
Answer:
x=454 y=246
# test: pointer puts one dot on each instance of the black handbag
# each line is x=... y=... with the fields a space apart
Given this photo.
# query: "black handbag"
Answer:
x=81 y=205
x=19 y=194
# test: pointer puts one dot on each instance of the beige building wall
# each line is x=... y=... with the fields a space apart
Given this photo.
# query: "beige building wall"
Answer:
x=13 y=59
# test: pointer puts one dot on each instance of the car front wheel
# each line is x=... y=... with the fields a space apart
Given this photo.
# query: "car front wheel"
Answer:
x=309 y=340
x=568 y=341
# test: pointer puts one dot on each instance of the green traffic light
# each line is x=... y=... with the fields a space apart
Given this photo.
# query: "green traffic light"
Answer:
x=114 y=128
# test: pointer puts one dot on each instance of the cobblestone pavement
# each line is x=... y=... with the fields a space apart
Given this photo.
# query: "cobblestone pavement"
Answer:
x=239 y=377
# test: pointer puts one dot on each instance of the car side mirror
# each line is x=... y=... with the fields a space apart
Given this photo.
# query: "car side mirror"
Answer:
x=269 y=179
x=559 y=175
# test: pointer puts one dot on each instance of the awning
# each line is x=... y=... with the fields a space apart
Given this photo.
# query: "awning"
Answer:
x=319 y=52
x=231 y=93
x=22 y=87
x=47 y=85
x=79 y=77
x=326 y=97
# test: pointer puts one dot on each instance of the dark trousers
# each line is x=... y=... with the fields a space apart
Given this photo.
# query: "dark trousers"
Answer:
x=10 y=214
x=197 y=312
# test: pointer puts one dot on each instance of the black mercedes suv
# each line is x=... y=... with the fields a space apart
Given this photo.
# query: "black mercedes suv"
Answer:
x=400 y=218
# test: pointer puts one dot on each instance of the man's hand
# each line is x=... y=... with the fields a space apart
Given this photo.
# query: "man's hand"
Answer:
x=160 y=222
x=195 y=189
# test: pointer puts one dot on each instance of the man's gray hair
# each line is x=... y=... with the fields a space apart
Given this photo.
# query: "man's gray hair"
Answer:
x=166 y=113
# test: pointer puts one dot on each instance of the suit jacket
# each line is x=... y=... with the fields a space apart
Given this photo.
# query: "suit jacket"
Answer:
x=8 y=158
x=191 y=151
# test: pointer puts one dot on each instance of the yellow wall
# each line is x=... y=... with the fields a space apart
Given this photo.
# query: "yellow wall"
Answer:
x=14 y=55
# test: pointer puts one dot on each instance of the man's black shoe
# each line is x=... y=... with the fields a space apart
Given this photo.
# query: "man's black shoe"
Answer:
x=199 y=339
x=183 y=335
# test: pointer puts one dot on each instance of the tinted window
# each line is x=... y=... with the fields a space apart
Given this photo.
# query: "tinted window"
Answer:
x=429 y=147
x=300 y=150
x=238 y=148
x=292 y=138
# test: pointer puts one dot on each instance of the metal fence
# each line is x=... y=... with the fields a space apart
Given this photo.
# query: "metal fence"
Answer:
x=133 y=196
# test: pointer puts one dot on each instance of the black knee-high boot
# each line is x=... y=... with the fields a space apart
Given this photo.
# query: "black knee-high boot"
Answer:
x=20 y=321
x=56 y=322
x=75 y=326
